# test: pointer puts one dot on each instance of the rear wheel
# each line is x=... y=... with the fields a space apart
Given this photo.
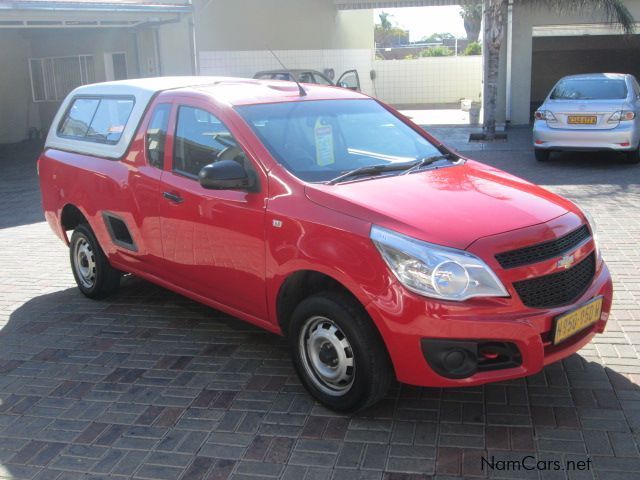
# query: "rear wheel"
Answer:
x=337 y=352
x=95 y=277
x=542 y=155
x=633 y=156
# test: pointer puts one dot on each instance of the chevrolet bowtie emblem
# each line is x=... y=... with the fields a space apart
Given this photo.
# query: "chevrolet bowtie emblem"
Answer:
x=566 y=261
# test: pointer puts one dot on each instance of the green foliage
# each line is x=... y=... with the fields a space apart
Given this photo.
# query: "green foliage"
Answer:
x=474 y=48
x=438 y=37
x=438 y=51
x=393 y=37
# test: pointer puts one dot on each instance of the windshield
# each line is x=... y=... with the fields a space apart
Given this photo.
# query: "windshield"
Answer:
x=590 y=89
x=320 y=140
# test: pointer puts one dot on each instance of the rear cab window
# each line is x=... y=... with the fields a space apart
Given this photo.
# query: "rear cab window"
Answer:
x=96 y=119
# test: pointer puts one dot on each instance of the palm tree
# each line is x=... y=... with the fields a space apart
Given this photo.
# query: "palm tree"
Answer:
x=613 y=11
x=385 y=20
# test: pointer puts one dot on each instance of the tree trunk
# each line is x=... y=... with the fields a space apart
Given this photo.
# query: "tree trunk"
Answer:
x=494 y=19
x=472 y=26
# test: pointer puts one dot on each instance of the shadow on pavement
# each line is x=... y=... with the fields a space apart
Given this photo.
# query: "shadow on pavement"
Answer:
x=19 y=188
x=80 y=375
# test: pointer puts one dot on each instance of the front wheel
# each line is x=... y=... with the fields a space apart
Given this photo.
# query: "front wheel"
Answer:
x=338 y=353
x=95 y=277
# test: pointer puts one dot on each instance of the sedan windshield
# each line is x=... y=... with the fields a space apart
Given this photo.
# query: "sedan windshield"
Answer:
x=319 y=141
x=590 y=89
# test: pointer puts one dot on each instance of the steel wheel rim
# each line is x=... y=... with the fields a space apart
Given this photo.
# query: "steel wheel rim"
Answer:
x=327 y=356
x=85 y=263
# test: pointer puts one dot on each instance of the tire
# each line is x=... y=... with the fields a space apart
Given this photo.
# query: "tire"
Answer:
x=633 y=156
x=542 y=155
x=95 y=277
x=332 y=328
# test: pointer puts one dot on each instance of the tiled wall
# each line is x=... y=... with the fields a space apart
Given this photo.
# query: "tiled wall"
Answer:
x=423 y=81
x=433 y=80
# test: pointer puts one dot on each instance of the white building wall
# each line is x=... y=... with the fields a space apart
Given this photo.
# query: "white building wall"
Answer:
x=435 y=80
x=17 y=112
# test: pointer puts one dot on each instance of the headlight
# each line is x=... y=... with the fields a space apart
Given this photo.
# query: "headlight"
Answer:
x=435 y=271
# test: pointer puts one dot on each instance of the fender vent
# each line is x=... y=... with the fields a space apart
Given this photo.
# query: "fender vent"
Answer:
x=119 y=232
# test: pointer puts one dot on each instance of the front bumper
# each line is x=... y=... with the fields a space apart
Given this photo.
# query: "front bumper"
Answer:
x=623 y=137
x=406 y=319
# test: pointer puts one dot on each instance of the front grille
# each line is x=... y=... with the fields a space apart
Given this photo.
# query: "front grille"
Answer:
x=543 y=251
x=558 y=288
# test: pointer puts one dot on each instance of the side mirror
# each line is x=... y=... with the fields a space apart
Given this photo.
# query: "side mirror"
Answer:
x=225 y=175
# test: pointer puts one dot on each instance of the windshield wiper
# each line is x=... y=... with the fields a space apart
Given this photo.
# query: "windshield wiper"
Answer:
x=425 y=162
x=371 y=170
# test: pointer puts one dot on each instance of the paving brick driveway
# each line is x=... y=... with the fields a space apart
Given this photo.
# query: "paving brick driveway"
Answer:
x=151 y=385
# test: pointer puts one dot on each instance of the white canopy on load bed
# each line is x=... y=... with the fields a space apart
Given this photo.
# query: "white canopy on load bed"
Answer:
x=142 y=90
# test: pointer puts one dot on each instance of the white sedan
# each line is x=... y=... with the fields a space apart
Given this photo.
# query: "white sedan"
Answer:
x=596 y=112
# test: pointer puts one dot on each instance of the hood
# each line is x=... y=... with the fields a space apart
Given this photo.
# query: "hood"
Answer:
x=452 y=206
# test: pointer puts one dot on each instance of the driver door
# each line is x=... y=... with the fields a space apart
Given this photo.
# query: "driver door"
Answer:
x=349 y=79
x=213 y=240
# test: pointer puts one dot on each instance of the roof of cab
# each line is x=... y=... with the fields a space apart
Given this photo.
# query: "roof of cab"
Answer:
x=231 y=91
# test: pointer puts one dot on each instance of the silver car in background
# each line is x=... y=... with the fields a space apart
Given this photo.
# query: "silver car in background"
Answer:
x=590 y=112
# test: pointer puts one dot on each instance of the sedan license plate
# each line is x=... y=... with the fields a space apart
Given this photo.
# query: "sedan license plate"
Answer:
x=576 y=321
x=582 y=119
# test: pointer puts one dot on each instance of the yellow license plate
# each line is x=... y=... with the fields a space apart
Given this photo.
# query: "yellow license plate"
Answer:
x=582 y=119
x=576 y=321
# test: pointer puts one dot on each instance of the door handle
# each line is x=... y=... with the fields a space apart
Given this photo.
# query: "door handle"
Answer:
x=173 y=197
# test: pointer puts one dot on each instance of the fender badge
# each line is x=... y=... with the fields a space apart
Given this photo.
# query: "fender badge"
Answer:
x=566 y=261
x=277 y=223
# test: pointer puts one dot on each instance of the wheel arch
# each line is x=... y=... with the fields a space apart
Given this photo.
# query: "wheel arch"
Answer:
x=300 y=284
x=70 y=217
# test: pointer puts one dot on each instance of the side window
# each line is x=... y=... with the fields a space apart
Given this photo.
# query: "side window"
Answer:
x=321 y=79
x=157 y=135
x=99 y=120
x=306 y=77
x=636 y=87
x=76 y=122
x=202 y=139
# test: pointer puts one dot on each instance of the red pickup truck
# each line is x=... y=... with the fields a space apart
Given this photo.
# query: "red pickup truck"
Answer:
x=324 y=215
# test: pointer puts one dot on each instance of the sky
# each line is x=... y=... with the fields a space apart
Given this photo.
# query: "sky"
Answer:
x=423 y=21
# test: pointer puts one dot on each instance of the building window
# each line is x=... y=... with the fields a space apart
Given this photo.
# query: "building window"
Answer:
x=53 y=78
x=115 y=66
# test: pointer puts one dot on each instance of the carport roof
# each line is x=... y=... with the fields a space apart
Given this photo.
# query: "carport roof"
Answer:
x=160 y=6
x=362 y=4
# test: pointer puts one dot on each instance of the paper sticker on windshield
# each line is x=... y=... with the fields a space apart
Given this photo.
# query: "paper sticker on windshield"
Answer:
x=324 y=143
